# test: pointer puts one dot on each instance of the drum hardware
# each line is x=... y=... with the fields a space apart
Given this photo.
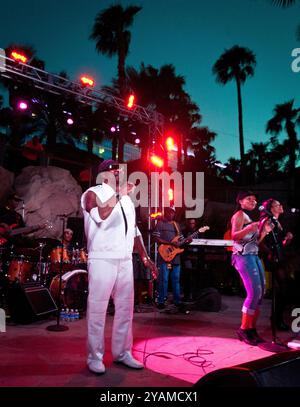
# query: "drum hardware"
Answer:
x=58 y=327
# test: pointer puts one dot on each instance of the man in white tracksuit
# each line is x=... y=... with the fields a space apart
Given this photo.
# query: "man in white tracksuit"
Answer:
x=111 y=232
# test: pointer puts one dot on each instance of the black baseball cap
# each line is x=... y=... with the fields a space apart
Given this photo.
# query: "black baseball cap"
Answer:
x=108 y=165
x=243 y=194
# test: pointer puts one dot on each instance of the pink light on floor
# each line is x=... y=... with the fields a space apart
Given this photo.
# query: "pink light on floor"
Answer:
x=191 y=357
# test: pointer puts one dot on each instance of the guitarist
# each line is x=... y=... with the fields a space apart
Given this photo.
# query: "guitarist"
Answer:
x=164 y=232
x=10 y=218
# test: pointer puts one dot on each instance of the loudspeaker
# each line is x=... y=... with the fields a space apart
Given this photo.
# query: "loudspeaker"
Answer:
x=28 y=303
x=208 y=299
x=278 y=370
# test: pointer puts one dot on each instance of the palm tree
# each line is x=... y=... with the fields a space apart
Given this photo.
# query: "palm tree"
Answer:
x=163 y=89
x=236 y=63
x=284 y=4
x=110 y=31
x=286 y=117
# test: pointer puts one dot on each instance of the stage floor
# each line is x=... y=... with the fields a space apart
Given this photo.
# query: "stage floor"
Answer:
x=177 y=349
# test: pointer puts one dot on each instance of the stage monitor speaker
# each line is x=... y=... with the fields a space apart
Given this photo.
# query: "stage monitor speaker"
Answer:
x=278 y=370
x=29 y=303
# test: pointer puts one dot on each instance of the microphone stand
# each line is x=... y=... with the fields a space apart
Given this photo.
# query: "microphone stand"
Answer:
x=58 y=327
x=275 y=346
x=23 y=211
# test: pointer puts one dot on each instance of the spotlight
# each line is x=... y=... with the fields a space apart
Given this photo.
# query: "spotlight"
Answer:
x=22 y=105
x=137 y=141
x=70 y=121
x=17 y=56
x=130 y=101
x=113 y=129
x=87 y=81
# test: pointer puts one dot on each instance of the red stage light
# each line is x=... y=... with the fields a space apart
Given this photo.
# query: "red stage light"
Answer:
x=18 y=57
x=171 y=194
x=157 y=161
x=130 y=101
x=87 y=81
x=170 y=143
x=155 y=215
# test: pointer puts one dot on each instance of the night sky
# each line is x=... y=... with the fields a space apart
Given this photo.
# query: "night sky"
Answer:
x=191 y=34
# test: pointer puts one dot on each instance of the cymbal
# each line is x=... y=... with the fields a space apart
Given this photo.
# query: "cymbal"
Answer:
x=49 y=241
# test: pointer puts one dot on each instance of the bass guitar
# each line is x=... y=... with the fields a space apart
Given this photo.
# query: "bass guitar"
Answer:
x=168 y=251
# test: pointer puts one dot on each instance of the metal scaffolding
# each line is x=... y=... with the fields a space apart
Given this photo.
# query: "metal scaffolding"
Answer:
x=58 y=85
x=48 y=82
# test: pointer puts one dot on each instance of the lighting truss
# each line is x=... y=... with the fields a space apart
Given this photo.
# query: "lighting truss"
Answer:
x=58 y=85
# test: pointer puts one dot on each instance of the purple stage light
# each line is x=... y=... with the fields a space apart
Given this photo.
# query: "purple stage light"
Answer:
x=22 y=105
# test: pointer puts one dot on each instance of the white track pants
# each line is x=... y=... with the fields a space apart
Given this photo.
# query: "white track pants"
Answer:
x=109 y=278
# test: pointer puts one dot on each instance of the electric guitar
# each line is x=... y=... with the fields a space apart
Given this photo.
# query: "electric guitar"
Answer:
x=168 y=252
x=9 y=231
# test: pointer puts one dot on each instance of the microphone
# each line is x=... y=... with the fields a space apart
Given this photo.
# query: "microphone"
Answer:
x=263 y=209
x=270 y=214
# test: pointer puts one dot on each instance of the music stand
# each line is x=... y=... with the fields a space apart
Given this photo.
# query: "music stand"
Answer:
x=275 y=346
x=58 y=327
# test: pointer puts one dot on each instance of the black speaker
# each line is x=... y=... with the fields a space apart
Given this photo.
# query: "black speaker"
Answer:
x=279 y=370
x=28 y=303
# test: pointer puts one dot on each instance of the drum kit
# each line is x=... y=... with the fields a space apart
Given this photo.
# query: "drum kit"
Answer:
x=43 y=263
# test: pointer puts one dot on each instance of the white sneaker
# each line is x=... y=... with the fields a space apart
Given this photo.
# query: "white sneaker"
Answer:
x=96 y=366
x=128 y=360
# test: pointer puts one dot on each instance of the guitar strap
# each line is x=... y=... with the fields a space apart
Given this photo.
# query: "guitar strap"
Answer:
x=176 y=227
x=124 y=217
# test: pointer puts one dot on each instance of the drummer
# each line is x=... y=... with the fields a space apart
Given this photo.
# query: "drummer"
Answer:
x=67 y=240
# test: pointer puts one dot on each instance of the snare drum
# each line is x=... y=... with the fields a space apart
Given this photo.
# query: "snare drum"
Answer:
x=74 y=289
x=20 y=269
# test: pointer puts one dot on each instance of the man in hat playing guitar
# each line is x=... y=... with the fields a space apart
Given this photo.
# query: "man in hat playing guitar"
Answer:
x=167 y=233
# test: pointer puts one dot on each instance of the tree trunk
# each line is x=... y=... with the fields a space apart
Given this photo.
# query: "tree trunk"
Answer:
x=114 y=148
x=241 y=132
x=90 y=143
x=121 y=145
x=51 y=135
x=122 y=87
x=292 y=136
x=179 y=152
x=121 y=72
x=185 y=148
